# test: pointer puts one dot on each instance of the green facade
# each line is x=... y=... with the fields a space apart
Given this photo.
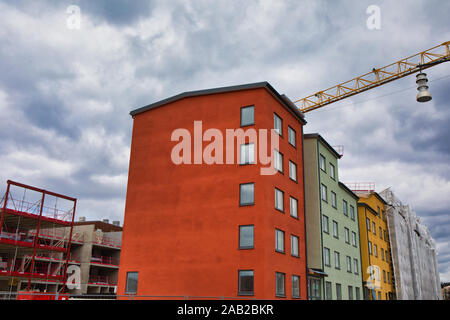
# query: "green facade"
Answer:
x=326 y=205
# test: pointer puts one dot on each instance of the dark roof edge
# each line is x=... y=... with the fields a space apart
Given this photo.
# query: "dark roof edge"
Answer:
x=354 y=195
x=365 y=205
x=282 y=98
x=318 y=136
x=380 y=198
x=376 y=194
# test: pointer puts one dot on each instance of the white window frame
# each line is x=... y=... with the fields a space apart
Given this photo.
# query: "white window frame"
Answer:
x=293 y=207
x=279 y=202
x=248 y=154
x=295 y=246
x=292 y=170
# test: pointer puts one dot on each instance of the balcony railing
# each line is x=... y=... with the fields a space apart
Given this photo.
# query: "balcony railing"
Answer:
x=22 y=206
x=101 y=280
x=105 y=260
x=107 y=241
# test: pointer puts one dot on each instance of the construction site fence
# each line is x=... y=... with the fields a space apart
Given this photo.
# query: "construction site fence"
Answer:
x=67 y=296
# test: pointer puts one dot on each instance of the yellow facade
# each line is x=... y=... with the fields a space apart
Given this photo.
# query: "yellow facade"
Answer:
x=375 y=249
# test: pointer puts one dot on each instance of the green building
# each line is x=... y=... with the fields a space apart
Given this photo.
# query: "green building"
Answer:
x=332 y=230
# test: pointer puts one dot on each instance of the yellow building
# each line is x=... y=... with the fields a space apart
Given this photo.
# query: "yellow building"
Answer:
x=376 y=260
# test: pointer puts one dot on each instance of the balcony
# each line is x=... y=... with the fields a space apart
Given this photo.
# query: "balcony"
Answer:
x=105 y=261
x=101 y=281
x=26 y=240
x=40 y=271
x=107 y=242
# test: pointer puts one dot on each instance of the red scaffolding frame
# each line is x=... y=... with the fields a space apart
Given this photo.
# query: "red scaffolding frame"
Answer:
x=361 y=186
x=34 y=229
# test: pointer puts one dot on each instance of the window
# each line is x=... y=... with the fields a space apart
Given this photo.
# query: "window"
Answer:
x=350 y=293
x=345 y=207
x=247 y=153
x=347 y=235
x=292 y=171
x=279 y=241
x=278 y=161
x=349 y=264
x=246 y=280
x=328 y=291
x=294 y=246
x=337 y=260
x=291 y=136
x=368 y=224
x=132 y=282
x=352 y=213
x=246 y=237
x=295 y=286
x=279 y=200
x=389 y=277
x=335 y=230
x=294 y=207
x=322 y=163
x=325 y=226
x=247 y=194
x=354 y=239
x=374 y=228
x=326 y=257
x=279 y=284
x=355 y=266
x=384 y=235
x=314 y=288
x=384 y=276
x=357 y=293
x=382 y=254
x=278 y=124
x=370 y=247
x=332 y=172
x=378 y=211
x=333 y=200
x=323 y=193
x=379 y=295
x=375 y=250
x=338 y=292
x=247 y=116
x=381 y=232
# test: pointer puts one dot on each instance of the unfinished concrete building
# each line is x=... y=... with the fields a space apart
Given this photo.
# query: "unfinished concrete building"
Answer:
x=98 y=256
x=413 y=252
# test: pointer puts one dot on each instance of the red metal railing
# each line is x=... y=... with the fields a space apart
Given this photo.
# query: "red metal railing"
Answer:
x=56 y=234
x=29 y=208
x=107 y=241
x=361 y=186
x=101 y=280
x=105 y=260
x=39 y=271
x=19 y=238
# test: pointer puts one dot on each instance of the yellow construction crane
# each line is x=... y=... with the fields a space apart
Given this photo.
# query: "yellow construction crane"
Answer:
x=378 y=77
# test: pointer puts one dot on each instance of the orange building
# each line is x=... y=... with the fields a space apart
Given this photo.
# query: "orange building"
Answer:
x=218 y=230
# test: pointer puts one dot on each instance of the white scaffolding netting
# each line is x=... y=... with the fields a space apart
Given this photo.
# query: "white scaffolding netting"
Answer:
x=413 y=252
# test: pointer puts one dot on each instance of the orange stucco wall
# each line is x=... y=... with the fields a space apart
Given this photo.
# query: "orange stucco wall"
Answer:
x=181 y=222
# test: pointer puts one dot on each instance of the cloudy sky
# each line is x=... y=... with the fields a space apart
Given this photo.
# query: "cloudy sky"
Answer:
x=65 y=93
